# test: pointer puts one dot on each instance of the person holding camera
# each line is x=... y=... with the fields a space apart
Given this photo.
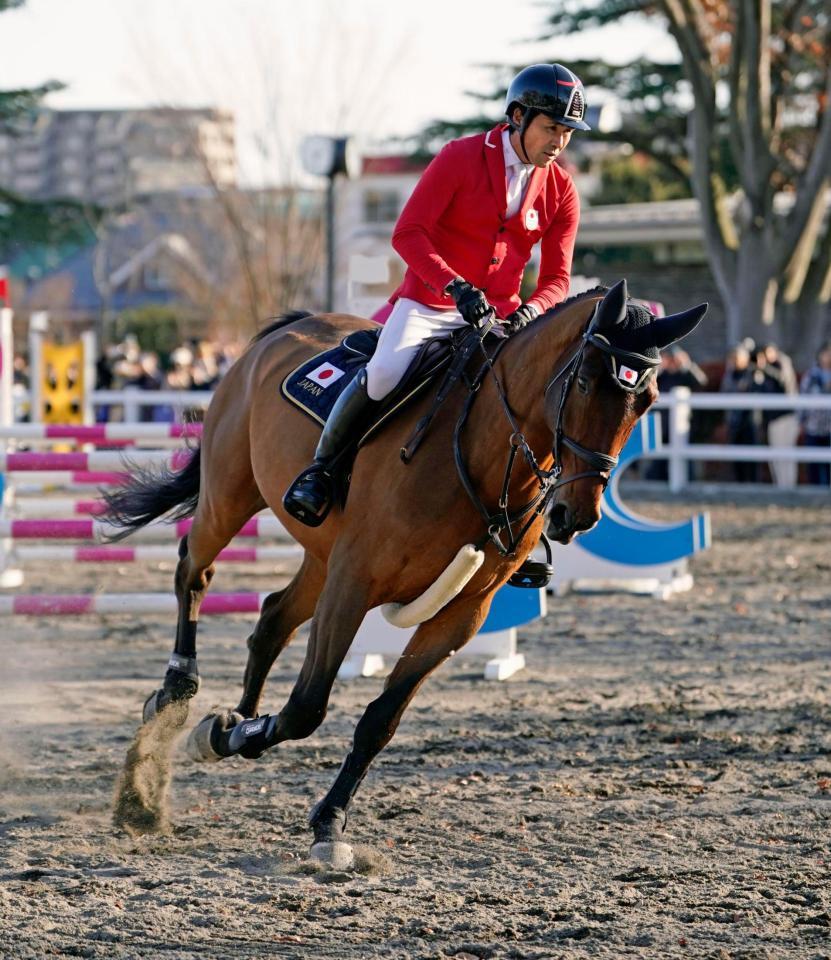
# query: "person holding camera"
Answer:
x=816 y=424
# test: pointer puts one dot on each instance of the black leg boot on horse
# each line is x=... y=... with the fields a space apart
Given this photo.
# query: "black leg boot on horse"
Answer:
x=181 y=681
x=310 y=496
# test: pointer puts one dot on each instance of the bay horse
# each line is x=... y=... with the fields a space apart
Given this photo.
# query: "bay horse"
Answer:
x=558 y=402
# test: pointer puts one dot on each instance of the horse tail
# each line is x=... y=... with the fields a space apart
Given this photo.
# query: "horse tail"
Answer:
x=153 y=492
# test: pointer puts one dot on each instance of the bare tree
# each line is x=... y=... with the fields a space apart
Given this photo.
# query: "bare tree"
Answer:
x=774 y=253
x=274 y=234
x=758 y=144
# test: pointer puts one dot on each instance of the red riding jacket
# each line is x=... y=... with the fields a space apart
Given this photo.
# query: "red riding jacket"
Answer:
x=454 y=225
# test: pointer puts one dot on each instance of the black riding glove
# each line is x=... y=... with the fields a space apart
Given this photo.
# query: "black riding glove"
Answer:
x=471 y=302
x=520 y=318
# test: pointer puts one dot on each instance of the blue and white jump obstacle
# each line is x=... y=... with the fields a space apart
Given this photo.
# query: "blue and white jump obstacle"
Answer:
x=496 y=640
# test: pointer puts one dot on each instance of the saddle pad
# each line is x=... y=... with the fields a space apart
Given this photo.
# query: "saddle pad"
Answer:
x=317 y=383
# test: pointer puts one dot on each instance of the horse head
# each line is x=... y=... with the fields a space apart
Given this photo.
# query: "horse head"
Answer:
x=594 y=401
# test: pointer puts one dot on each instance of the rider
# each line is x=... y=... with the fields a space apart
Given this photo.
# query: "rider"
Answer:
x=466 y=235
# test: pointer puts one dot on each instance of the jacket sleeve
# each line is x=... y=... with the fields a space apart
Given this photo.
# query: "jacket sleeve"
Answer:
x=556 y=251
x=433 y=194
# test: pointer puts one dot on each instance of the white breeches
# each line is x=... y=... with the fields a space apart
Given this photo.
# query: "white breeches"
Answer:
x=406 y=329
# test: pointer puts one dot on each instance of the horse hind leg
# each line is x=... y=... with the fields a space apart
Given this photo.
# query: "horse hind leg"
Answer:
x=194 y=572
x=282 y=613
x=340 y=609
x=141 y=795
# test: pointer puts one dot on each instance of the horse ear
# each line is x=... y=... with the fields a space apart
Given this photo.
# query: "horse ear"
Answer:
x=612 y=308
x=667 y=330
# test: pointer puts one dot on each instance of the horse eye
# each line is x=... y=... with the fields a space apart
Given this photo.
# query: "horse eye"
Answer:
x=582 y=384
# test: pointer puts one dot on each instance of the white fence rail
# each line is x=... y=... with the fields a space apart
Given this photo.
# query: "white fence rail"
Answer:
x=133 y=400
x=681 y=402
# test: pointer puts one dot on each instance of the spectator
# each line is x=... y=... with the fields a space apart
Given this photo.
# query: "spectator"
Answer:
x=105 y=378
x=780 y=428
x=738 y=377
x=205 y=370
x=767 y=377
x=816 y=424
x=779 y=360
x=145 y=375
x=676 y=370
x=180 y=377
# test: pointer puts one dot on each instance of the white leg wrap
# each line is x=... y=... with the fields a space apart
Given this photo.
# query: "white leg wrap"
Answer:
x=448 y=585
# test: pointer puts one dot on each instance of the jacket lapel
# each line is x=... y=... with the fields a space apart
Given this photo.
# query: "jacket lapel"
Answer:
x=535 y=185
x=495 y=160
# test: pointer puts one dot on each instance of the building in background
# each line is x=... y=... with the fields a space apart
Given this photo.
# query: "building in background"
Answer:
x=367 y=269
x=111 y=157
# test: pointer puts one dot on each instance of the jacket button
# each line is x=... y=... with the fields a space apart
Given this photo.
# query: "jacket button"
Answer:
x=494 y=259
x=501 y=230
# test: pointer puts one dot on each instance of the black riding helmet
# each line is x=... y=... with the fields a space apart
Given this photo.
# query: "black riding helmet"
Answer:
x=548 y=88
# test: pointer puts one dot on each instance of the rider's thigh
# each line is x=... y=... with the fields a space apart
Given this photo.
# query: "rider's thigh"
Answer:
x=409 y=324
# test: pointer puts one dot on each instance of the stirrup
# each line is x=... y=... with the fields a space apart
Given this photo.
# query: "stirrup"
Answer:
x=304 y=509
x=534 y=574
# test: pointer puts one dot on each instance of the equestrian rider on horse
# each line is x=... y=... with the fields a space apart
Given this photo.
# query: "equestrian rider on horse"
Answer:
x=466 y=235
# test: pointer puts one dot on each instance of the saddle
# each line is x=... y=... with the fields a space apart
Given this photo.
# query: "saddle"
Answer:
x=316 y=384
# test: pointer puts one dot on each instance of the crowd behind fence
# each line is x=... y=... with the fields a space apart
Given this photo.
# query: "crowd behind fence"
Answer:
x=763 y=424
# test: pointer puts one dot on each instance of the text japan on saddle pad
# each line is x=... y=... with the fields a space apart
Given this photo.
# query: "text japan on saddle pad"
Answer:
x=317 y=383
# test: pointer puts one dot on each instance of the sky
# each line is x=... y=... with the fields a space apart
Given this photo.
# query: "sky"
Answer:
x=290 y=68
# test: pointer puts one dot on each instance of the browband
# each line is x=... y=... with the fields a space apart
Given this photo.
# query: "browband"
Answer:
x=631 y=378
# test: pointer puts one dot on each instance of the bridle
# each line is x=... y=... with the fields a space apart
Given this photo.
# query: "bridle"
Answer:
x=632 y=379
x=617 y=360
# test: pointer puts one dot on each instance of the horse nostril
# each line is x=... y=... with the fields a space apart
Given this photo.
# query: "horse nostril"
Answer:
x=560 y=517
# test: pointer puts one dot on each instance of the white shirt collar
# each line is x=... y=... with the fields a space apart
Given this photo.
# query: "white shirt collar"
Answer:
x=511 y=156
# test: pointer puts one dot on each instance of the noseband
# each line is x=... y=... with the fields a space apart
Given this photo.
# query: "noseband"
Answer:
x=617 y=361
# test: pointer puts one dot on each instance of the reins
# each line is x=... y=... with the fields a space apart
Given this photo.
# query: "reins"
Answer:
x=503 y=520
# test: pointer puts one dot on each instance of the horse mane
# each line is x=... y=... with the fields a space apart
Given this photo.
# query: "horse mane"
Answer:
x=291 y=316
x=282 y=321
x=599 y=290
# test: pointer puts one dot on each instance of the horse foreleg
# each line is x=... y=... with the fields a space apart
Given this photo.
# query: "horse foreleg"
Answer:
x=340 y=610
x=429 y=646
x=282 y=613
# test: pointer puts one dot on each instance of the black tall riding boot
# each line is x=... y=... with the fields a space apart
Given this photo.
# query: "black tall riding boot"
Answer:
x=310 y=496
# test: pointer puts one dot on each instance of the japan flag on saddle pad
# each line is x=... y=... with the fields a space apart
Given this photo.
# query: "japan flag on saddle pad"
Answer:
x=325 y=375
x=627 y=375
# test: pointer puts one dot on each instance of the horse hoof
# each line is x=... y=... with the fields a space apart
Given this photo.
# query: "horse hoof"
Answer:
x=199 y=746
x=156 y=702
x=334 y=853
x=151 y=706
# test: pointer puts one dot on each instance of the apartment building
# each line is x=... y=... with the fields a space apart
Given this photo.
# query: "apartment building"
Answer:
x=110 y=157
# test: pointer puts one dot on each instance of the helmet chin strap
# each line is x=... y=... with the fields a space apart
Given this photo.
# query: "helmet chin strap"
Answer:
x=527 y=117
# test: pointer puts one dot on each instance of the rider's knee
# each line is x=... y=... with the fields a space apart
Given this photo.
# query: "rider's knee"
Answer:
x=380 y=381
